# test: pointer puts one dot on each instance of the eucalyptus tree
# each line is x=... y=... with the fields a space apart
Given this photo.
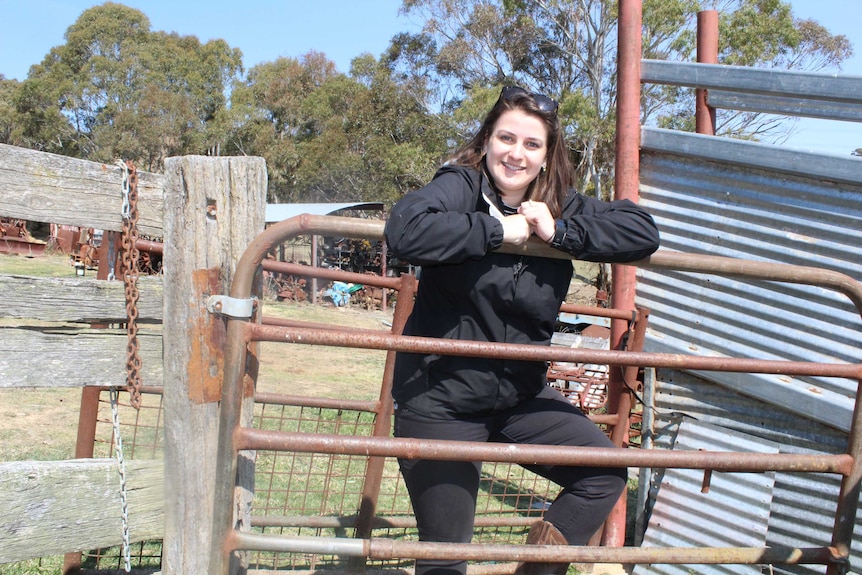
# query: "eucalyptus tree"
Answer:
x=265 y=116
x=118 y=89
x=9 y=122
x=371 y=137
x=329 y=136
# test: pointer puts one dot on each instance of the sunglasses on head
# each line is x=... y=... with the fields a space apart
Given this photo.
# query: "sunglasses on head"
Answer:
x=544 y=103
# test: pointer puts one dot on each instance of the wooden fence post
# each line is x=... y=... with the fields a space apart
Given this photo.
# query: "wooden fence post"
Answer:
x=214 y=207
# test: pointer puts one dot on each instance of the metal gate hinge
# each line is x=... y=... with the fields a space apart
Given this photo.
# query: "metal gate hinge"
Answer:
x=230 y=306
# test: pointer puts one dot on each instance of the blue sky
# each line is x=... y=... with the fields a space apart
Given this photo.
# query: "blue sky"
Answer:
x=342 y=29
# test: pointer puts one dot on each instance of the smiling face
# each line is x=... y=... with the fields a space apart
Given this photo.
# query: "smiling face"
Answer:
x=514 y=153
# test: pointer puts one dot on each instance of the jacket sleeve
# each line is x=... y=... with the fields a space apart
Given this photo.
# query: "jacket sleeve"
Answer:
x=439 y=223
x=614 y=232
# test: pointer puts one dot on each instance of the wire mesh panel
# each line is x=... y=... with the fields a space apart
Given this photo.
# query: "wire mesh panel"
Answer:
x=142 y=434
x=142 y=430
x=321 y=495
x=314 y=494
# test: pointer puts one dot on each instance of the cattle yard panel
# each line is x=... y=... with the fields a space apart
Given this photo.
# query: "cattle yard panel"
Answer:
x=319 y=494
x=234 y=438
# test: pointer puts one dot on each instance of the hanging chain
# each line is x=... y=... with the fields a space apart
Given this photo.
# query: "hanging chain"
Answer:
x=121 y=462
x=112 y=256
x=130 y=279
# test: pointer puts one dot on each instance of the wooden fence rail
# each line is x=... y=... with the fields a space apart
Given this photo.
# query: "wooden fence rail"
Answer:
x=215 y=207
x=49 y=188
x=53 y=507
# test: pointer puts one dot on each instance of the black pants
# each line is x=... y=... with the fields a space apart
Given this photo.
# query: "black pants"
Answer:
x=443 y=493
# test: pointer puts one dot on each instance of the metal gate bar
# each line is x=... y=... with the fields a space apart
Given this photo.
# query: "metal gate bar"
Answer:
x=389 y=549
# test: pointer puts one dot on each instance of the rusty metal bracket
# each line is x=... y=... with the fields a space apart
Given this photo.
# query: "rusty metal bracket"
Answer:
x=231 y=307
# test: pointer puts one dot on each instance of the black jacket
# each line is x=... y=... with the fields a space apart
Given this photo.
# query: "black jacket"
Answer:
x=468 y=291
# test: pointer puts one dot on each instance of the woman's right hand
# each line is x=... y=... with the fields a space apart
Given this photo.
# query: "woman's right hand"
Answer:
x=516 y=229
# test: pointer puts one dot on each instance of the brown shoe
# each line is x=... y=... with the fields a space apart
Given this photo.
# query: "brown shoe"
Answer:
x=543 y=533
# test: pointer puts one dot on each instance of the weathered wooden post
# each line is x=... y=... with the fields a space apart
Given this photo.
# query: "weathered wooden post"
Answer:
x=214 y=207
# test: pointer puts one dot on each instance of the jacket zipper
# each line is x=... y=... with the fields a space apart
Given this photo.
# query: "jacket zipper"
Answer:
x=519 y=267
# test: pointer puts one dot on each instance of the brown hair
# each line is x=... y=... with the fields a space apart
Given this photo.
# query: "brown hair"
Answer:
x=553 y=183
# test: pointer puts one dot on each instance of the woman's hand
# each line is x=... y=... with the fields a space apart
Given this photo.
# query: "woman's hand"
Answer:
x=539 y=218
x=516 y=229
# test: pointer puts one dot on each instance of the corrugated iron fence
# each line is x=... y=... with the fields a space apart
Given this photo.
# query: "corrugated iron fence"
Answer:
x=742 y=199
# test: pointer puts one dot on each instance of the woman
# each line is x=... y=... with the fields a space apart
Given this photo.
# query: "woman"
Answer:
x=512 y=180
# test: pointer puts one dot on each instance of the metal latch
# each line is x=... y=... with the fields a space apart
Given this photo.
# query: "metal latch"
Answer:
x=231 y=307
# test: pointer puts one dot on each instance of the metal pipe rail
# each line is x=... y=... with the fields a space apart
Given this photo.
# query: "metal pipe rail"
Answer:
x=251 y=439
x=389 y=522
x=232 y=437
x=415 y=344
x=381 y=548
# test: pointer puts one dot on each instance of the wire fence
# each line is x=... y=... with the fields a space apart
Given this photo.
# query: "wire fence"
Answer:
x=313 y=494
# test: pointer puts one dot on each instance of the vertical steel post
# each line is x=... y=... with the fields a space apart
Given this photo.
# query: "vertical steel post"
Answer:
x=707 y=53
x=626 y=176
x=84 y=449
x=848 y=497
x=315 y=263
x=384 y=257
x=620 y=434
x=383 y=422
x=226 y=453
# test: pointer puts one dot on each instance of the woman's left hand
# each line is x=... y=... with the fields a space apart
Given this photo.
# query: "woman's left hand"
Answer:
x=540 y=219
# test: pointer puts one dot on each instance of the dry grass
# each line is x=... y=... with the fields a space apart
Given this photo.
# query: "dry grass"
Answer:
x=50 y=265
x=322 y=371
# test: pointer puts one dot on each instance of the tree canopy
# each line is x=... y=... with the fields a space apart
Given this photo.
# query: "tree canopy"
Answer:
x=567 y=49
x=118 y=89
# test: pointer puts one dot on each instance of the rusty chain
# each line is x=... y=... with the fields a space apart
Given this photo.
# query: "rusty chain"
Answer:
x=129 y=267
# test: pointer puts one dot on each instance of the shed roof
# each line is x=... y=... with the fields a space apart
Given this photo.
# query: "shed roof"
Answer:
x=279 y=212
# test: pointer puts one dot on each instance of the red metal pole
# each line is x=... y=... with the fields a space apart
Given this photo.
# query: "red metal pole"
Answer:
x=626 y=176
x=314 y=263
x=383 y=424
x=84 y=449
x=102 y=254
x=707 y=53
x=627 y=162
x=384 y=255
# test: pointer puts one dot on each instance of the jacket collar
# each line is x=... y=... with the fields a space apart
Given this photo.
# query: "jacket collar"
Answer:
x=488 y=194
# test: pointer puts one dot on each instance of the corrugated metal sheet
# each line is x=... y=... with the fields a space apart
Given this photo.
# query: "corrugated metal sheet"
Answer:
x=802 y=514
x=786 y=92
x=705 y=200
x=737 y=504
x=803 y=504
x=753 y=201
x=677 y=394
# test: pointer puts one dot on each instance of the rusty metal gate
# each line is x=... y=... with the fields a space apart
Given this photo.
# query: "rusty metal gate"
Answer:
x=243 y=330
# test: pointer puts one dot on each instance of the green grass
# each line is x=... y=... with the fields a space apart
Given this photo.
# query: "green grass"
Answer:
x=43 y=566
x=49 y=265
